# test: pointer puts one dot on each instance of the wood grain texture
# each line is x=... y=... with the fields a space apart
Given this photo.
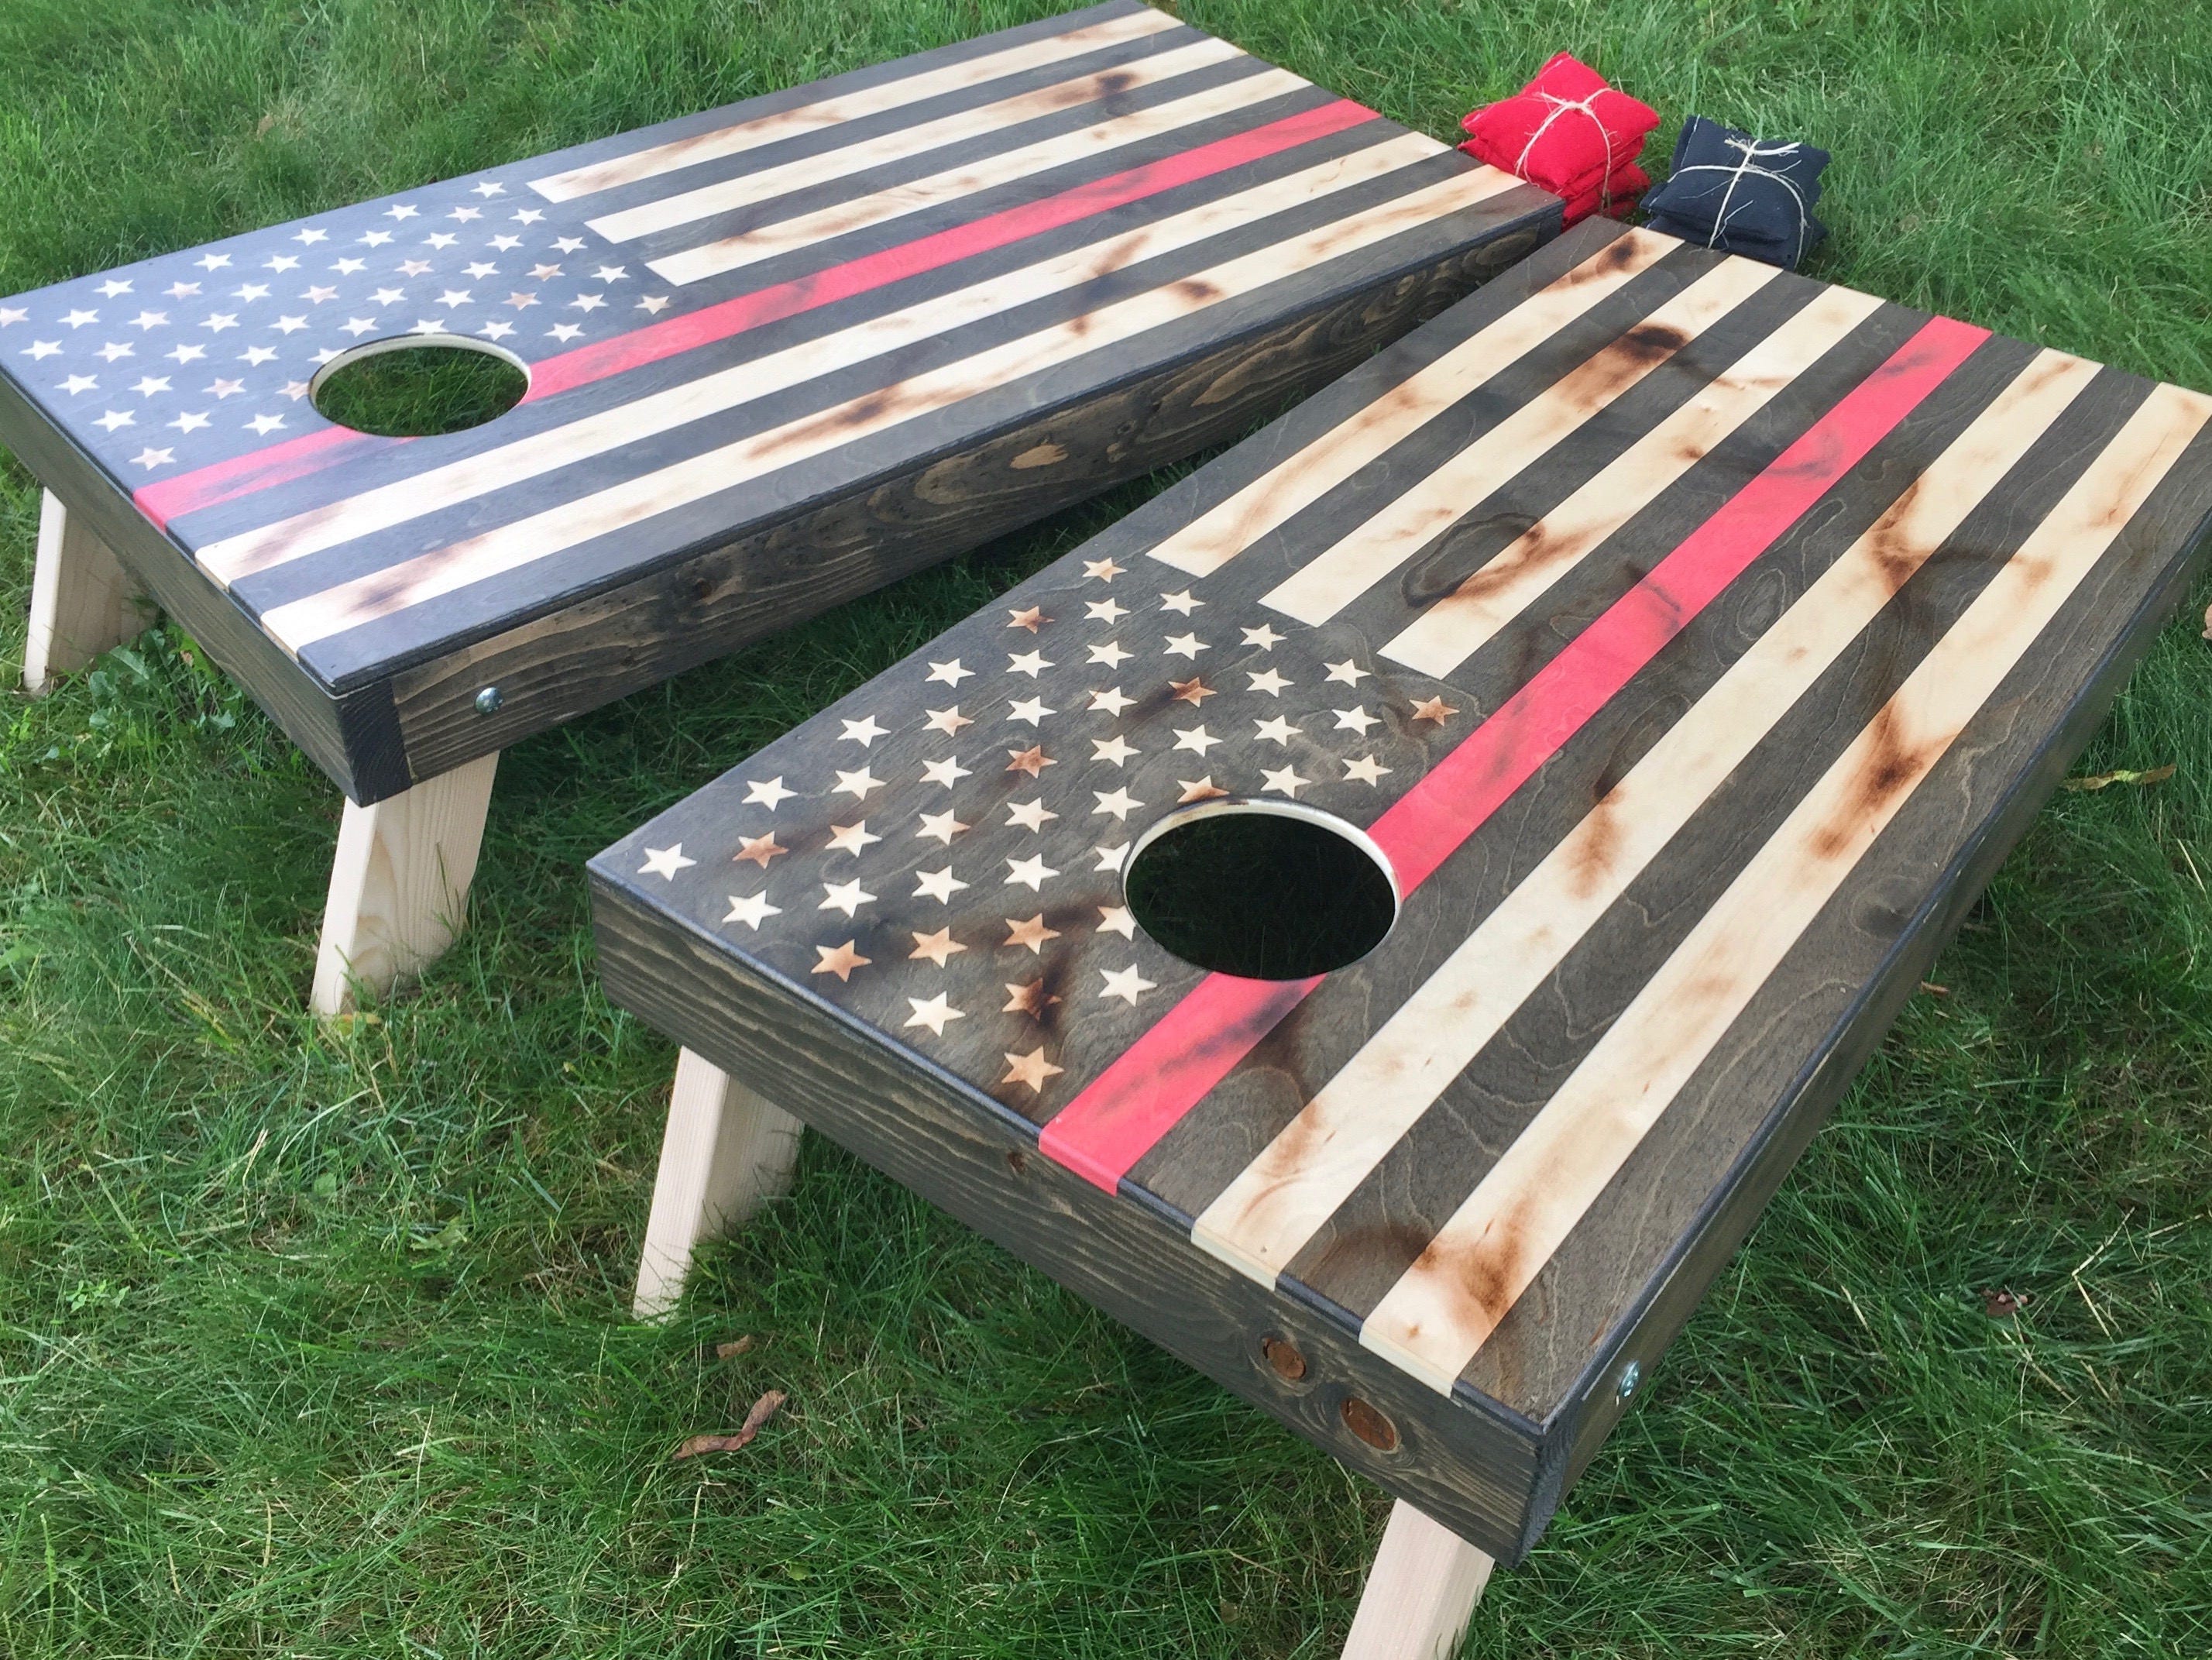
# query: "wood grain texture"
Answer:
x=726 y=1150
x=838 y=311
x=1838 y=588
x=1420 y=1593
x=82 y=601
x=399 y=884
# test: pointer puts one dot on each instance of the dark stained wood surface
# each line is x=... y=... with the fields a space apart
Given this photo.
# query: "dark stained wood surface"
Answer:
x=839 y=311
x=1689 y=639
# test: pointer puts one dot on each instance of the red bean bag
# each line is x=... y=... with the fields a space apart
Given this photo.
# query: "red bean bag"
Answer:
x=1568 y=131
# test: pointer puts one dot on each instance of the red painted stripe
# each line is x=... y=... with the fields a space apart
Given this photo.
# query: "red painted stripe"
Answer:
x=242 y=475
x=225 y=481
x=749 y=311
x=1122 y=1113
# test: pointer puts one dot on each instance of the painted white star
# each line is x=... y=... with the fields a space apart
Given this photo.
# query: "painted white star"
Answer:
x=847 y=897
x=612 y=273
x=850 y=838
x=1111 y=654
x=1031 y=873
x=223 y=388
x=1347 y=672
x=587 y=302
x=288 y=325
x=857 y=784
x=453 y=297
x=280 y=262
x=350 y=267
x=651 y=304
x=185 y=354
x=251 y=291
x=938 y=884
x=863 y=732
x=1195 y=739
x=945 y=772
x=480 y=269
x=544 y=273
x=665 y=861
x=439 y=239
x=933 y=1013
x=1117 y=801
x=1284 y=781
x=150 y=457
x=938 y=947
x=147 y=384
x=115 y=350
x=265 y=424
x=78 y=319
x=16 y=313
x=1352 y=720
x=181 y=290
x=1031 y=709
x=1126 y=983
x=1113 y=700
x=253 y=356
x=1366 y=769
x=488 y=190
x=41 y=349
x=389 y=296
x=114 y=419
x=939 y=827
x=568 y=243
x=1269 y=681
x=767 y=793
x=496 y=330
x=948 y=722
x=950 y=673
x=402 y=211
x=77 y=383
x=1278 y=730
x=503 y=243
x=1198 y=789
x=462 y=216
x=375 y=238
x=323 y=355
x=1031 y=663
x=316 y=295
x=114 y=286
x=150 y=319
x=564 y=332
x=1184 y=645
x=1116 y=748
x=752 y=910
x=429 y=326
x=309 y=238
x=189 y=421
x=1030 y=815
x=357 y=326
x=212 y=261
x=1181 y=603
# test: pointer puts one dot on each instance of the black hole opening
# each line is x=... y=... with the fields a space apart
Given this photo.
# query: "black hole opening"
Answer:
x=1261 y=894
x=418 y=391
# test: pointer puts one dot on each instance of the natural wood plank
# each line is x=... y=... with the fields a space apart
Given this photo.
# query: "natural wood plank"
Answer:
x=1420 y=1593
x=82 y=601
x=399 y=884
x=726 y=1150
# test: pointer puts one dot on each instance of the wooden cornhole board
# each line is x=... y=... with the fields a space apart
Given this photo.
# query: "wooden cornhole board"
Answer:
x=1691 y=640
x=779 y=354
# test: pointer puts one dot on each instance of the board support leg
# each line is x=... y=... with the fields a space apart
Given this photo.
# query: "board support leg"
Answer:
x=727 y=1151
x=1420 y=1593
x=82 y=601
x=399 y=884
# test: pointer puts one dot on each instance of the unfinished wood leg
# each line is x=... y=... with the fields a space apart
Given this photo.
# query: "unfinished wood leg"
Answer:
x=399 y=885
x=727 y=1151
x=1420 y=1593
x=82 y=601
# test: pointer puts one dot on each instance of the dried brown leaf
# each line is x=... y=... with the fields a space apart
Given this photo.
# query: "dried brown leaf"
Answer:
x=2002 y=1305
x=762 y=1410
x=731 y=1350
x=2105 y=779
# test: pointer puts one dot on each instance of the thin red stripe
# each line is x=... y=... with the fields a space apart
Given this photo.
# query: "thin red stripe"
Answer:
x=1122 y=1114
x=225 y=481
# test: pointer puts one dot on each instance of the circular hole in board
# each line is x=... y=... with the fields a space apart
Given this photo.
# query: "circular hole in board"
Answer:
x=418 y=386
x=1263 y=890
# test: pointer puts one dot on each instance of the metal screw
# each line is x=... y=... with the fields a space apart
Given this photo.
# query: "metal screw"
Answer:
x=1630 y=1376
x=488 y=700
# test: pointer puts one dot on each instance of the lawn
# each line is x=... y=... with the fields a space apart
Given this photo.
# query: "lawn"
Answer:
x=315 y=1342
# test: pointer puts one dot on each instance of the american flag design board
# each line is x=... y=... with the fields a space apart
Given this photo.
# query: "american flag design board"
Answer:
x=1689 y=638
x=727 y=318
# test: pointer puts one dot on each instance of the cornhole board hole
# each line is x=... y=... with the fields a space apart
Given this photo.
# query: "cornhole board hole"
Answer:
x=1688 y=642
x=778 y=355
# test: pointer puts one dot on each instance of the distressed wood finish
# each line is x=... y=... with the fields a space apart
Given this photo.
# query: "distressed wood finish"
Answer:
x=82 y=601
x=1691 y=640
x=779 y=354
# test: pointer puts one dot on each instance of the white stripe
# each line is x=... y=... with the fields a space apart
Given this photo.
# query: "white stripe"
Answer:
x=523 y=541
x=1262 y=1221
x=1453 y=628
x=1219 y=535
x=1444 y=1307
x=770 y=182
x=845 y=107
x=731 y=252
x=1338 y=573
x=264 y=548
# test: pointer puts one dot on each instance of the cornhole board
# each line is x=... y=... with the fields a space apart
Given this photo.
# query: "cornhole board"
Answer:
x=1689 y=639
x=779 y=354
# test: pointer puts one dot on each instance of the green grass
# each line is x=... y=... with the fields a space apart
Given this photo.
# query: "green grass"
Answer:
x=313 y=1344
x=414 y=391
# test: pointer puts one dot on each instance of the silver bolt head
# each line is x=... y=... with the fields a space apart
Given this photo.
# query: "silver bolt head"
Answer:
x=488 y=700
x=1630 y=1376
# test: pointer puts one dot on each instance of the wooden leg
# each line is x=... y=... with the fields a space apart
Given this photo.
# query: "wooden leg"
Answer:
x=82 y=601
x=1420 y=1593
x=399 y=885
x=726 y=1153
